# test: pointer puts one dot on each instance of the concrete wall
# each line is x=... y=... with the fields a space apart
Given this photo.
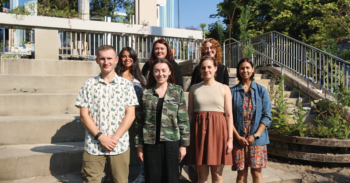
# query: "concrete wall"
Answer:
x=46 y=44
x=146 y=12
x=8 y=20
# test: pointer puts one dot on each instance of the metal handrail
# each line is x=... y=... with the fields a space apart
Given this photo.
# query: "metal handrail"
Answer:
x=300 y=42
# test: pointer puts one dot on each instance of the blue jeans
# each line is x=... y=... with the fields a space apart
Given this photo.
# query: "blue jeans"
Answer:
x=142 y=168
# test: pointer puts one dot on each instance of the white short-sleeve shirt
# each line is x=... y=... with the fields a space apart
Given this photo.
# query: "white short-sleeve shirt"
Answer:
x=106 y=103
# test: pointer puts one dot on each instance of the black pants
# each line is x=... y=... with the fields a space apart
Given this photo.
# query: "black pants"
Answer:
x=162 y=162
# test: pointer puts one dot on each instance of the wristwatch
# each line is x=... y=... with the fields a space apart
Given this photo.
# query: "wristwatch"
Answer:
x=98 y=135
x=140 y=145
x=256 y=136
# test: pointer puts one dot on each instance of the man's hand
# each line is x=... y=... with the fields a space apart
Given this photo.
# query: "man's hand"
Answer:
x=242 y=141
x=107 y=143
x=182 y=153
x=229 y=146
x=140 y=153
x=250 y=139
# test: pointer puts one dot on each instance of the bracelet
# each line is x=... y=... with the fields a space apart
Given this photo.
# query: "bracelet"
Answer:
x=98 y=135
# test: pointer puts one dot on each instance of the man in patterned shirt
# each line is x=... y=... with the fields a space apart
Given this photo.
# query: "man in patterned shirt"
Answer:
x=107 y=110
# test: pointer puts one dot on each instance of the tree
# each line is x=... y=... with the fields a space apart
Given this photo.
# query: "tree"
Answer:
x=102 y=8
x=247 y=48
x=203 y=25
x=306 y=20
x=216 y=31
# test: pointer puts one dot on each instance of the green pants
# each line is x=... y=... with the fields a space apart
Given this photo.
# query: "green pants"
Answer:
x=93 y=166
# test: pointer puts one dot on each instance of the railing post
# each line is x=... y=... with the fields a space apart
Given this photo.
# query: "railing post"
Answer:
x=283 y=80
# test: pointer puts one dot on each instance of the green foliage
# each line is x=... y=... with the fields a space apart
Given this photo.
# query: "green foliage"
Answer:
x=64 y=9
x=202 y=26
x=216 y=31
x=247 y=47
x=2 y=49
x=102 y=8
x=307 y=20
x=299 y=115
x=279 y=115
x=345 y=54
x=220 y=33
x=331 y=47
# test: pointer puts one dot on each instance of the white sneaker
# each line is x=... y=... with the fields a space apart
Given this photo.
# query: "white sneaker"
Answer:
x=139 y=179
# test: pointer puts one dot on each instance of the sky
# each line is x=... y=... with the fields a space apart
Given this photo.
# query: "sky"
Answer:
x=195 y=12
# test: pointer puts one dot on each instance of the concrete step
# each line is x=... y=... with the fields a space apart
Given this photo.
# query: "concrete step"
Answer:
x=41 y=83
x=38 y=104
x=40 y=129
x=27 y=161
x=48 y=67
x=233 y=70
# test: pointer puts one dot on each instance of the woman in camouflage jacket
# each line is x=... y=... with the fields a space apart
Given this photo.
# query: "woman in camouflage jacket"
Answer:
x=162 y=126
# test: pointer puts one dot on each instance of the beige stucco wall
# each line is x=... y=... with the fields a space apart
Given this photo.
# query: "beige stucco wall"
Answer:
x=146 y=11
x=46 y=44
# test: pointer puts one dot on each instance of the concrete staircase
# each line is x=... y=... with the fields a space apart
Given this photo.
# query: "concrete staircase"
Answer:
x=40 y=133
x=41 y=137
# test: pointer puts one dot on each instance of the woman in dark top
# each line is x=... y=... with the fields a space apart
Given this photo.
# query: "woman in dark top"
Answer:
x=161 y=49
x=212 y=48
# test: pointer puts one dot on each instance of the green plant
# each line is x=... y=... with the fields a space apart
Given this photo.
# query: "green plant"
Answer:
x=279 y=115
x=331 y=47
x=345 y=54
x=299 y=115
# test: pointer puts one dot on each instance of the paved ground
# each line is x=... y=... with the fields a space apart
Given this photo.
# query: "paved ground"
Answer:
x=317 y=173
x=270 y=175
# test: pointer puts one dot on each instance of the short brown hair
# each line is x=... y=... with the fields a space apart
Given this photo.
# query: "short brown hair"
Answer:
x=105 y=48
x=217 y=47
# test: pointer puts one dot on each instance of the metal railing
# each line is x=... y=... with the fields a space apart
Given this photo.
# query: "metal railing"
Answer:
x=85 y=44
x=315 y=66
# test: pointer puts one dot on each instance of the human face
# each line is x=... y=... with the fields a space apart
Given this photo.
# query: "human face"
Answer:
x=208 y=69
x=246 y=70
x=210 y=50
x=107 y=61
x=161 y=72
x=127 y=61
x=160 y=50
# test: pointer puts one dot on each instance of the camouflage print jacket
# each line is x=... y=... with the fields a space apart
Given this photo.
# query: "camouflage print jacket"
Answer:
x=174 y=126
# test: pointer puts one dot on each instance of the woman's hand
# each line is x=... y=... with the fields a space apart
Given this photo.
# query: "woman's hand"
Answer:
x=182 y=153
x=229 y=146
x=242 y=142
x=250 y=139
x=140 y=153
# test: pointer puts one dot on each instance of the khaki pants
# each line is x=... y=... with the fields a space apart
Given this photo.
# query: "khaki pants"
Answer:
x=93 y=166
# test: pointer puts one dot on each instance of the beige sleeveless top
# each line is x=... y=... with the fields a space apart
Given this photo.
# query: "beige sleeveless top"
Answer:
x=208 y=98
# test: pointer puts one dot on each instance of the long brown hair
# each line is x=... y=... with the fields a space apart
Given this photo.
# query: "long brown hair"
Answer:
x=169 y=56
x=216 y=46
x=151 y=81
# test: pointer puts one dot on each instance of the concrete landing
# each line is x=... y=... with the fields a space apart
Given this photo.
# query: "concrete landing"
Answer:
x=270 y=175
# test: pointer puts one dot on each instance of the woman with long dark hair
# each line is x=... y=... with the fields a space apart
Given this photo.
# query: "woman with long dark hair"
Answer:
x=252 y=115
x=128 y=68
x=161 y=49
x=162 y=127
